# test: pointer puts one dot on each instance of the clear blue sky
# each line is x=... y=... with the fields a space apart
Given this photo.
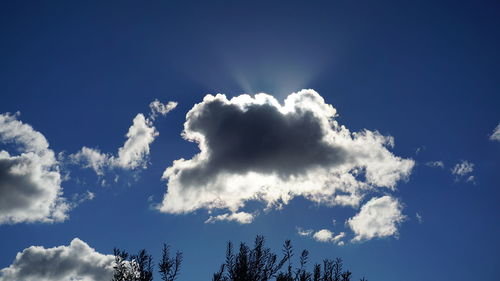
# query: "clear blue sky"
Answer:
x=424 y=72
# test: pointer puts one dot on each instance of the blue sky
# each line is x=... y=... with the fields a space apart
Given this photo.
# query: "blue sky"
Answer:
x=424 y=72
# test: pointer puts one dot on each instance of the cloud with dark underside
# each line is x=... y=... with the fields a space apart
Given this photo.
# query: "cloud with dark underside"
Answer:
x=260 y=139
x=30 y=181
x=252 y=148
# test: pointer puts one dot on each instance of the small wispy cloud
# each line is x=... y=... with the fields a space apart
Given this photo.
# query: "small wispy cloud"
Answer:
x=419 y=149
x=304 y=232
x=495 y=136
x=134 y=152
x=161 y=108
x=86 y=196
x=436 y=164
x=322 y=235
x=463 y=170
x=239 y=217
x=419 y=217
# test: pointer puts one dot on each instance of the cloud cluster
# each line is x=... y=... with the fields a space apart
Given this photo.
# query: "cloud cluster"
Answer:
x=30 y=182
x=495 y=136
x=134 y=152
x=379 y=217
x=252 y=148
x=161 y=108
x=77 y=261
x=463 y=169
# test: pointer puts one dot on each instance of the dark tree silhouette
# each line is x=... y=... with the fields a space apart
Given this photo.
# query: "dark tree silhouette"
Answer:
x=346 y=276
x=301 y=273
x=257 y=263
x=260 y=264
x=132 y=267
x=337 y=269
x=144 y=265
x=122 y=269
x=317 y=272
x=139 y=267
x=169 y=267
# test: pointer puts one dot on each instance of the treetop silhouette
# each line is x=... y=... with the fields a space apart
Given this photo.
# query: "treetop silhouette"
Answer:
x=257 y=263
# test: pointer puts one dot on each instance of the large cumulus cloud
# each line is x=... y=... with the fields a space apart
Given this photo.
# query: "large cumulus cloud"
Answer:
x=77 y=261
x=30 y=182
x=254 y=148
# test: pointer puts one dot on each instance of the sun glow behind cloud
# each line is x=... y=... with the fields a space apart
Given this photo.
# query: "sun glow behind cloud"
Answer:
x=272 y=64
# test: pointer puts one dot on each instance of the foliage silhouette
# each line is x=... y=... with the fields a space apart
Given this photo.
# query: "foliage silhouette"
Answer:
x=257 y=263
x=261 y=264
x=169 y=268
x=139 y=267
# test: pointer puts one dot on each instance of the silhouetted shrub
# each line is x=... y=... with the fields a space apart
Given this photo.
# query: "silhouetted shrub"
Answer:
x=257 y=263
x=140 y=267
x=261 y=264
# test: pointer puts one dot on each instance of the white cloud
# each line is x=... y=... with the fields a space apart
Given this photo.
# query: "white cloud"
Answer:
x=134 y=152
x=338 y=237
x=239 y=217
x=437 y=164
x=419 y=217
x=322 y=235
x=379 y=217
x=495 y=136
x=417 y=151
x=471 y=179
x=254 y=149
x=77 y=261
x=131 y=155
x=463 y=168
x=30 y=182
x=92 y=158
x=304 y=232
x=159 y=108
x=80 y=198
